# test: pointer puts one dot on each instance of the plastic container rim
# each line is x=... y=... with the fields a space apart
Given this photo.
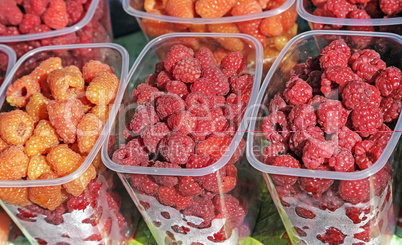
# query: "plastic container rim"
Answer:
x=228 y=19
x=343 y=21
x=88 y=160
x=377 y=166
x=28 y=37
x=12 y=57
x=236 y=139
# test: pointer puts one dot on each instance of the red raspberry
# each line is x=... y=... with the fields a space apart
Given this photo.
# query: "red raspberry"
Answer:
x=337 y=45
x=144 y=116
x=165 y=180
x=382 y=137
x=331 y=116
x=315 y=152
x=333 y=58
x=287 y=191
x=221 y=181
x=359 y=94
x=305 y=213
x=300 y=70
x=373 y=9
x=298 y=139
x=214 y=146
x=354 y=191
x=390 y=7
x=332 y=236
x=187 y=70
x=204 y=126
x=234 y=108
x=331 y=201
x=183 y=122
x=198 y=104
x=286 y=161
x=275 y=127
x=345 y=138
x=169 y=104
x=297 y=91
x=205 y=57
x=391 y=109
x=144 y=184
x=340 y=8
x=169 y=196
x=203 y=208
x=55 y=15
x=162 y=79
x=131 y=154
x=143 y=93
x=219 y=122
x=232 y=64
x=242 y=86
x=198 y=161
x=188 y=187
x=11 y=31
x=342 y=161
x=301 y=117
x=381 y=179
x=367 y=63
x=356 y=214
x=151 y=80
x=28 y=22
x=316 y=186
x=335 y=77
x=204 y=86
x=389 y=81
x=176 y=148
x=153 y=134
x=314 y=80
x=218 y=79
x=10 y=14
x=367 y=120
x=75 y=11
x=272 y=151
x=176 y=54
x=278 y=104
x=178 y=88
x=366 y=154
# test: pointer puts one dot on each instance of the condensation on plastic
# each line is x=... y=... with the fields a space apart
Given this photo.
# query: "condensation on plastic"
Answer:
x=28 y=37
x=12 y=57
x=292 y=49
x=227 y=19
x=307 y=15
x=121 y=70
x=236 y=139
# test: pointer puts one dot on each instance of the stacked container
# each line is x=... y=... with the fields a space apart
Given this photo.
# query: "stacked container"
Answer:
x=7 y=61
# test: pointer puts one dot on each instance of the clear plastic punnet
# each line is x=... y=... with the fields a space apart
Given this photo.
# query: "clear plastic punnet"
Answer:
x=225 y=177
x=82 y=202
x=93 y=26
x=338 y=183
x=7 y=61
x=273 y=25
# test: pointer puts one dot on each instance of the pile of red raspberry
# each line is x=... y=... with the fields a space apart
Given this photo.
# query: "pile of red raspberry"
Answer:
x=21 y=17
x=335 y=114
x=3 y=66
x=187 y=114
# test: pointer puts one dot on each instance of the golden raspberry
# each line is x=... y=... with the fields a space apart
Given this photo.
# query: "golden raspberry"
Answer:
x=44 y=138
x=15 y=195
x=102 y=112
x=3 y=145
x=65 y=196
x=38 y=166
x=19 y=92
x=14 y=163
x=47 y=196
x=74 y=69
x=97 y=162
x=42 y=71
x=77 y=186
x=93 y=68
x=86 y=104
x=103 y=89
x=36 y=107
x=230 y=43
x=63 y=160
x=88 y=131
x=65 y=85
x=16 y=127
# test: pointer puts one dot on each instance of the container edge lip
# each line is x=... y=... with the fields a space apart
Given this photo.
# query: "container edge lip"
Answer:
x=347 y=22
x=235 y=140
x=228 y=19
x=97 y=147
x=12 y=57
x=29 y=37
x=257 y=164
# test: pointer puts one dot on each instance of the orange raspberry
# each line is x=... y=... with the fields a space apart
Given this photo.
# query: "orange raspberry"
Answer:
x=180 y=8
x=63 y=160
x=42 y=71
x=43 y=138
x=289 y=18
x=245 y=8
x=230 y=43
x=16 y=127
x=19 y=92
x=38 y=166
x=65 y=196
x=155 y=28
x=65 y=116
x=97 y=162
x=86 y=104
x=47 y=196
x=88 y=131
x=213 y=8
x=93 y=68
x=65 y=85
x=77 y=186
x=15 y=195
x=3 y=145
x=14 y=163
x=36 y=107
x=103 y=89
x=73 y=69
x=198 y=28
x=272 y=26
x=102 y=112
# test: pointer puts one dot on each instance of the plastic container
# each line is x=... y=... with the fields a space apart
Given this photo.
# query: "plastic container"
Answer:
x=94 y=27
x=153 y=25
x=103 y=212
x=167 y=224
x=375 y=218
x=7 y=61
x=305 y=9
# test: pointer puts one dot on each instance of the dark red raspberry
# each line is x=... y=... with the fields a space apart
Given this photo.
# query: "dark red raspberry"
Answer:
x=314 y=80
x=144 y=184
x=81 y=202
x=188 y=187
x=183 y=122
x=232 y=64
x=227 y=205
x=278 y=104
x=360 y=42
x=389 y=81
x=305 y=213
x=162 y=79
x=331 y=116
x=144 y=116
x=357 y=214
x=332 y=236
x=151 y=80
x=315 y=152
x=298 y=139
x=359 y=94
x=204 y=126
x=316 y=101
x=159 y=67
x=198 y=161
x=367 y=63
x=169 y=104
x=382 y=137
x=143 y=93
x=301 y=117
x=203 y=85
x=203 y=208
x=300 y=70
x=131 y=154
x=205 y=57
x=381 y=179
x=28 y=22
x=198 y=104
x=367 y=153
x=272 y=151
x=178 y=88
x=333 y=58
x=390 y=7
x=391 y=109
x=373 y=9
x=345 y=138
x=165 y=180
x=354 y=191
x=316 y=186
x=336 y=77
x=337 y=45
x=218 y=79
x=342 y=161
x=286 y=161
x=275 y=127
x=176 y=54
x=153 y=134
x=331 y=201
x=176 y=148
x=358 y=13
x=287 y=191
x=187 y=70
x=297 y=91
x=367 y=120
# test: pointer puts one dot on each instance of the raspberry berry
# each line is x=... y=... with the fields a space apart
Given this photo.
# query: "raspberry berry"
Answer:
x=367 y=120
x=391 y=109
x=358 y=94
x=19 y=92
x=42 y=140
x=144 y=116
x=389 y=81
x=342 y=161
x=275 y=127
x=176 y=54
x=63 y=160
x=301 y=117
x=14 y=163
x=232 y=64
x=169 y=104
x=55 y=15
x=354 y=191
x=16 y=127
x=153 y=134
x=176 y=148
x=298 y=139
x=187 y=70
x=286 y=161
x=297 y=91
x=315 y=152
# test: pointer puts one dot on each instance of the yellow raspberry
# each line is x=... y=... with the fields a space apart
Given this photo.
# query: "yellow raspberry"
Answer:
x=88 y=131
x=16 y=127
x=74 y=69
x=44 y=138
x=3 y=145
x=15 y=195
x=42 y=71
x=19 y=92
x=63 y=160
x=103 y=89
x=13 y=163
x=77 y=186
x=38 y=166
x=36 y=107
x=102 y=112
x=65 y=85
x=93 y=68
x=47 y=196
